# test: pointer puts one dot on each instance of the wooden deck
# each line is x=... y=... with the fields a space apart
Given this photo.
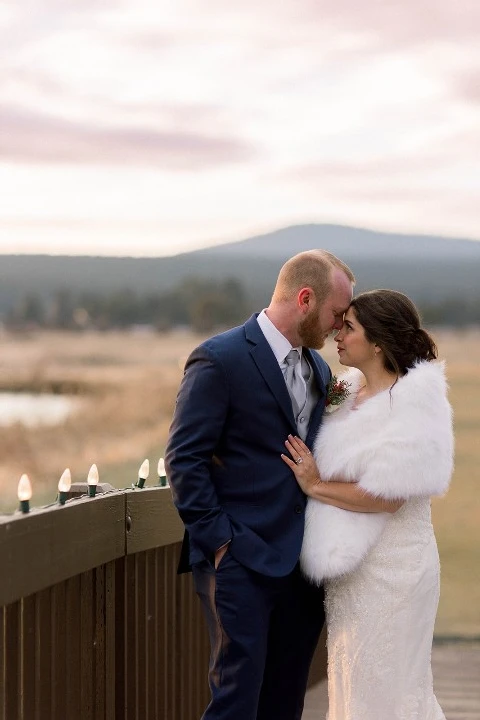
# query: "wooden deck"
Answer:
x=456 y=672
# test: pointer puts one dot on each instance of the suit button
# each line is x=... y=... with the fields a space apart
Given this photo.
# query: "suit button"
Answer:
x=298 y=509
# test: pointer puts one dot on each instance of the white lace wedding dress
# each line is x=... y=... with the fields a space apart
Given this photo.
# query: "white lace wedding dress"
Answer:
x=381 y=571
x=380 y=625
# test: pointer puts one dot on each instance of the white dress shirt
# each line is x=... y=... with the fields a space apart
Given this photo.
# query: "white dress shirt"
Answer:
x=278 y=342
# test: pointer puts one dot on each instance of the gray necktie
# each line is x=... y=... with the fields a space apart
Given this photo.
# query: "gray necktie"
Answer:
x=295 y=382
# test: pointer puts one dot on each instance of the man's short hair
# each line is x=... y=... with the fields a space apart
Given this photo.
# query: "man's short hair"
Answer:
x=312 y=268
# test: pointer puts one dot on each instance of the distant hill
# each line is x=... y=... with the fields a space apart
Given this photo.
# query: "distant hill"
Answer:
x=430 y=269
x=350 y=243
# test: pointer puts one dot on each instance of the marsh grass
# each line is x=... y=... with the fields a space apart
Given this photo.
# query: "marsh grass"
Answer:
x=127 y=383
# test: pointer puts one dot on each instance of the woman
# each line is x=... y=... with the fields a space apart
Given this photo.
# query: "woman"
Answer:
x=377 y=460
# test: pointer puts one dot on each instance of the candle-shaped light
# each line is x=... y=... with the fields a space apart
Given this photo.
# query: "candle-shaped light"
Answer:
x=162 y=475
x=24 y=493
x=143 y=473
x=92 y=480
x=64 y=485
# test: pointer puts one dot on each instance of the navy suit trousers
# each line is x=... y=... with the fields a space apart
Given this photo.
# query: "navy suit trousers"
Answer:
x=263 y=633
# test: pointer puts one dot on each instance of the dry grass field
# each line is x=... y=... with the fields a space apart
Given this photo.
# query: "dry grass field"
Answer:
x=127 y=382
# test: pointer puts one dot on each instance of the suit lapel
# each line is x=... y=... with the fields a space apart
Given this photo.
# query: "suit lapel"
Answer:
x=267 y=365
x=317 y=412
x=312 y=358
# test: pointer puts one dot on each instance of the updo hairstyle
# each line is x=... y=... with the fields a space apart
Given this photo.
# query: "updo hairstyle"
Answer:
x=391 y=321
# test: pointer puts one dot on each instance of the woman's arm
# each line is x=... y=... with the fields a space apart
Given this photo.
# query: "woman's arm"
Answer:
x=345 y=495
x=349 y=496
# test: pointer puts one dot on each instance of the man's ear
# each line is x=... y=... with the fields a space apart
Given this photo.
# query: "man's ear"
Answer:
x=306 y=298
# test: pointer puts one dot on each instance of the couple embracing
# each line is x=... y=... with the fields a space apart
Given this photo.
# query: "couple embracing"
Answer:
x=283 y=502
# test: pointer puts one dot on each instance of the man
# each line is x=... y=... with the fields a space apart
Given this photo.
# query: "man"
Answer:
x=242 y=394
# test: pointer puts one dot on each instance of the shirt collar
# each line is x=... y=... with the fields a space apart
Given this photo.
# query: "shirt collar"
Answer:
x=278 y=342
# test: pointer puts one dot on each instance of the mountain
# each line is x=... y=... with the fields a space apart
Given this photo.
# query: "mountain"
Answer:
x=428 y=268
x=349 y=243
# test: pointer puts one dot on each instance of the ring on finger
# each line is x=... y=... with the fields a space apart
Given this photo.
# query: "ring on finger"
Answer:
x=299 y=460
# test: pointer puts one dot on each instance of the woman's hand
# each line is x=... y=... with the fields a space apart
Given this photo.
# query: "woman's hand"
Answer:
x=345 y=495
x=303 y=465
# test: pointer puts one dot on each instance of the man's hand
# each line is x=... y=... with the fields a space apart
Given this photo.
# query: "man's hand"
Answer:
x=220 y=553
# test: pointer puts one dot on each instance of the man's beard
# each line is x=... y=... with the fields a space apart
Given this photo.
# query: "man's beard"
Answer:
x=310 y=333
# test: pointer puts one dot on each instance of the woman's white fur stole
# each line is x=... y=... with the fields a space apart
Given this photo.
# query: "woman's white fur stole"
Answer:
x=396 y=445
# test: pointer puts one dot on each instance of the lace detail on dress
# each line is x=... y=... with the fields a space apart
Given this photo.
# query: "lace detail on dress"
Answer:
x=380 y=625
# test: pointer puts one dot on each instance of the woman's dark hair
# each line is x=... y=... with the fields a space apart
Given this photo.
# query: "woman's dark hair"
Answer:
x=391 y=321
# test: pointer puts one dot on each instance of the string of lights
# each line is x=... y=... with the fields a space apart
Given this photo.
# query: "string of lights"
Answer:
x=25 y=492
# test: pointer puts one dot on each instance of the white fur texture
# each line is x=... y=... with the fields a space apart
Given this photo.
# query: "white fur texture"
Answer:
x=396 y=445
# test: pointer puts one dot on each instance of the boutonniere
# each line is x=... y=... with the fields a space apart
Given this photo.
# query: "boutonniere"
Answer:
x=337 y=392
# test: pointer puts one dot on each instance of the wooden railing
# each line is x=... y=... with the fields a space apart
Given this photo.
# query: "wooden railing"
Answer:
x=95 y=624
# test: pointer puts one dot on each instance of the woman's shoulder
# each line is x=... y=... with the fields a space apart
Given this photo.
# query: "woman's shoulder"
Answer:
x=432 y=371
x=425 y=384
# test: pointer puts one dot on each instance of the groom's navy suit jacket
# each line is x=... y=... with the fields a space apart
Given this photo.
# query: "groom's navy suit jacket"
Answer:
x=229 y=483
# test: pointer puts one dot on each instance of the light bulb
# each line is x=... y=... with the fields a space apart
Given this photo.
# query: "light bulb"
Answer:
x=24 y=489
x=92 y=478
x=144 y=470
x=143 y=473
x=64 y=485
x=162 y=473
x=24 y=493
x=65 y=481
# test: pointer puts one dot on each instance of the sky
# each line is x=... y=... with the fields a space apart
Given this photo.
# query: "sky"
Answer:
x=151 y=127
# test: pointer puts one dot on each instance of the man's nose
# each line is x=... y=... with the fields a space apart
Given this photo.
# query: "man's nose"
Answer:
x=338 y=324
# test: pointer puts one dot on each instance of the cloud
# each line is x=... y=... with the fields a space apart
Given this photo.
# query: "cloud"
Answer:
x=466 y=86
x=31 y=137
x=392 y=23
x=371 y=107
x=445 y=164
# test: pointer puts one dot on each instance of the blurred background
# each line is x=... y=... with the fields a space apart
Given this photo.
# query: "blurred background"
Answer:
x=158 y=164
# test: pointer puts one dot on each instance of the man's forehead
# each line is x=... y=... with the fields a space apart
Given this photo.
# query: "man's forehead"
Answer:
x=341 y=301
x=342 y=287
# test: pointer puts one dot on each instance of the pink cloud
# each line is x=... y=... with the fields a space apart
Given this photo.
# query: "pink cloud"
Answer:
x=29 y=136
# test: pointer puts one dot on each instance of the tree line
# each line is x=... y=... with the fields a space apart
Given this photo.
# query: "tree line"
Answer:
x=194 y=302
x=201 y=305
